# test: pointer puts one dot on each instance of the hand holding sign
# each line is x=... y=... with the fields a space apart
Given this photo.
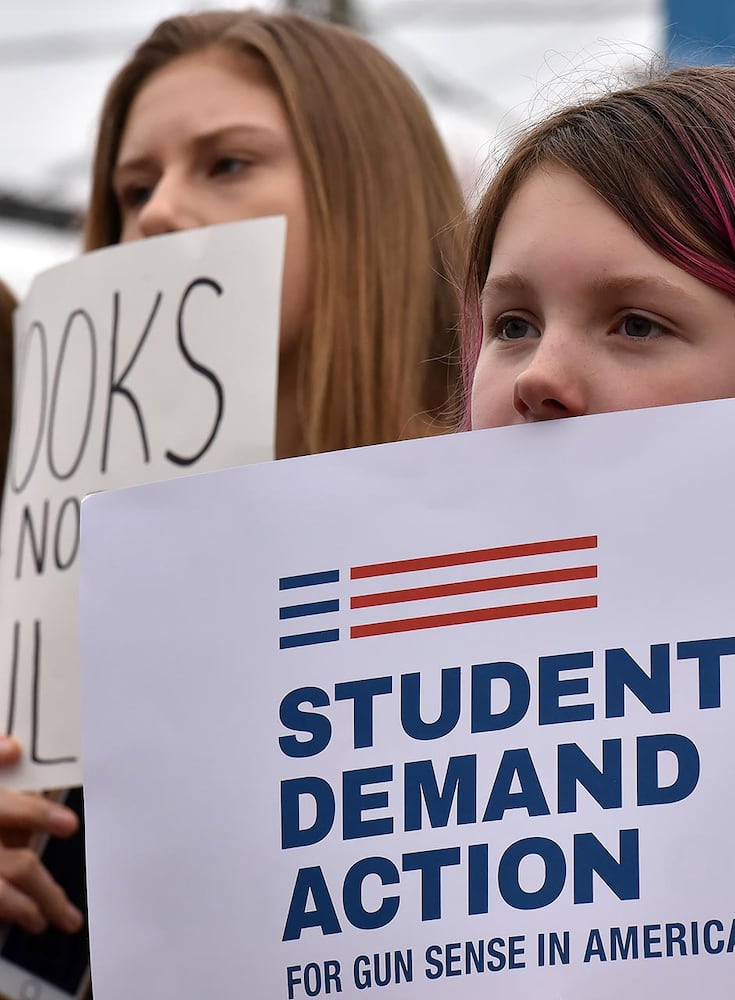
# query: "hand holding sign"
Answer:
x=30 y=896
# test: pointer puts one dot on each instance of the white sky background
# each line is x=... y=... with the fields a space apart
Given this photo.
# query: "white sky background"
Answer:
x=484 y=66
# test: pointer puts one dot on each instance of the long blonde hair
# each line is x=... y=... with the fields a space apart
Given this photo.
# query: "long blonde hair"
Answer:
x=379 y=361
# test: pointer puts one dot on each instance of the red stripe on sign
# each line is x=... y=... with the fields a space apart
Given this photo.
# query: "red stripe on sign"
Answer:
x=479 y=615
x=475 y=586
x=476 y=556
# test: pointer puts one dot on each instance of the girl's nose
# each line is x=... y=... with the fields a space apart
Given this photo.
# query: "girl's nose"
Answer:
x=166 y=210
x=553 y=384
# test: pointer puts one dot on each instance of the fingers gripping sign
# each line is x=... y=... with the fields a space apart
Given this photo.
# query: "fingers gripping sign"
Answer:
x=29 y=895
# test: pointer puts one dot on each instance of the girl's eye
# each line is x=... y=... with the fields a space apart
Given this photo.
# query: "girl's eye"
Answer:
x=135 y=195
x=228 y=165
x=638 y=327
x=515 y=328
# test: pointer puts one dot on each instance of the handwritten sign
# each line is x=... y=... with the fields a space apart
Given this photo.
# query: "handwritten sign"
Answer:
x=440 y=718
x=142 y=362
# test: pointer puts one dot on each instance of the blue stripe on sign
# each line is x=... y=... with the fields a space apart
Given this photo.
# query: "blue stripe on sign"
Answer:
x=315 y=608
x=309 y=638
x=308 y=579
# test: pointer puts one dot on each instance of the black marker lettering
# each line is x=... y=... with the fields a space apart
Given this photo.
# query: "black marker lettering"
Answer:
x=55 y=394
x=38 y=545
x=16 y=486
x=116 y=381
x=13 y=680
x=35 y=712
x=70 y=504
x=206 y=372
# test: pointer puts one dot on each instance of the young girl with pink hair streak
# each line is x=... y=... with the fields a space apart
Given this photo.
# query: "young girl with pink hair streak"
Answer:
x=601 y=272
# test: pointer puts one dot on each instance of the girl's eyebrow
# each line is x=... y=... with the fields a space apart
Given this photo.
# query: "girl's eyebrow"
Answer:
x=204 y=139
x=237 y=130
x=511 y=281
x=604 y=285
x=640 y=284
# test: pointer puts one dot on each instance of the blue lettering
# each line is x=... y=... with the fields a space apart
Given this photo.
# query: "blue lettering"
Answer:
x=355 y=802
x=310 y=884
x=292 y=835
x=552 y=688
x=420 y=784
x=590 y=857
x=355 y=911
x=362 y=693
x=708 y=652
x=484 y=720
x=623 y=948
x=292 y=717
x=530 y=797
x=413 y=724
x=434 y=968
x=478 y=879
x=595 y=948
x=713 y=947
x=652 y=690
x=554 y=876
x=430 y=864
x=605 y=786
x=650 y=792
x=652 y=941
x=675 y=935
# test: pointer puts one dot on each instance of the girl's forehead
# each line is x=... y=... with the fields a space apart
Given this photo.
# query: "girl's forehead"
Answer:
x=557 y=232
x=209 y=90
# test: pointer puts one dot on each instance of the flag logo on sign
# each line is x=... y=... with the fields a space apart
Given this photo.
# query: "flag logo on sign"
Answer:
x=442 y=590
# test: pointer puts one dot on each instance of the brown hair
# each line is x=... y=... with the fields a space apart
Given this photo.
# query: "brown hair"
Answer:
x=384 y=210
x=7 y=307
x=661 y=154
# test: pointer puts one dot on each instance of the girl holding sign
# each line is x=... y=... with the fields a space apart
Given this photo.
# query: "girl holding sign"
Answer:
x=227 y=115
x=285 y=115
x=602 y=267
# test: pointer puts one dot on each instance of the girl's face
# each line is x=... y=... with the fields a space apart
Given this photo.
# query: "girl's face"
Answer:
x=580 y=316
x=207 y=141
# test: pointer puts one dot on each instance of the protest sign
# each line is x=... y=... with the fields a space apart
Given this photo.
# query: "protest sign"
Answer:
x=147 y=361
x=442 y=718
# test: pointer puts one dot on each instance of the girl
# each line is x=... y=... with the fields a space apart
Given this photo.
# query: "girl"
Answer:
x=229 y=115
x=601 y=273
x=223 y=116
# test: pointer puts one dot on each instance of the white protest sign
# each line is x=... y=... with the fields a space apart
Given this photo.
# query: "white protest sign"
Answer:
x=443 y=718
x=141 y=362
